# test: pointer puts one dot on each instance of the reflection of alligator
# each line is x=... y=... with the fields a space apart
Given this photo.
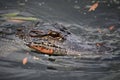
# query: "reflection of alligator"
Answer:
x=53 y=39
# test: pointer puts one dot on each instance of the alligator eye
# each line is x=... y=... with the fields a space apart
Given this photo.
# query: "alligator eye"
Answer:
x=53 y=34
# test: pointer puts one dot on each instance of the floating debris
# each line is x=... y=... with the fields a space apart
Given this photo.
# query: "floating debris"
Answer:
x=111 y=28
x=14 y=17
x=16 y=21
x=22 y=18
x=93 y=7
x=10 y=14
x=25 y=60
x=99 y=44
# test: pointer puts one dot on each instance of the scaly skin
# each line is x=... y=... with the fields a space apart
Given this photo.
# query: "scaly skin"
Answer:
x=52 y=39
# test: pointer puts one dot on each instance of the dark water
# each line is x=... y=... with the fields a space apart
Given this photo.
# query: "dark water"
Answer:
x=74 y=14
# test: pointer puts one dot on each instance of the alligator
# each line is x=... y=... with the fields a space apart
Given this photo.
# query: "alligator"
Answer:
x=52 y=39
x=49 y=38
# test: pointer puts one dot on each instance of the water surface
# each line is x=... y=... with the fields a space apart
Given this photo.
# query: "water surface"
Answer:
x=85 y=25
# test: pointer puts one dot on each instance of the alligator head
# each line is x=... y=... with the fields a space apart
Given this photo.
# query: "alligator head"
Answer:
x=53 y=39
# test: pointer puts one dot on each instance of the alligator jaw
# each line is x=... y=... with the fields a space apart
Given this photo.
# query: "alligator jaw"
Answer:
x=40 y=48
x=52 y=50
